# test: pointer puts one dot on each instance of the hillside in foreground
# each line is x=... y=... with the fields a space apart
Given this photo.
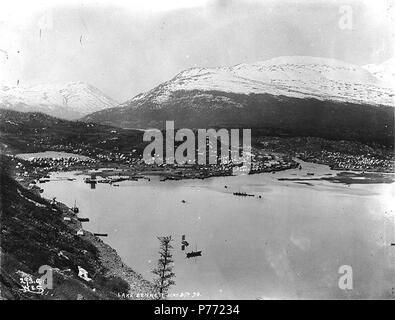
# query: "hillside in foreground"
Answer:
x=35 y=233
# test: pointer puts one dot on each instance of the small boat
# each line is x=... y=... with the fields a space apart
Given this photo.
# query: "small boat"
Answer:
x=100 y=234
x=83 y=219
x=75 y=208
x=242 y=194
x=193 y=254
x=183 y=201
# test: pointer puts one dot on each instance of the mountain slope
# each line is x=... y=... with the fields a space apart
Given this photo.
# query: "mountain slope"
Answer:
x=35 y=233
x=70 y=101
x=298 y=77
x=23 y=132
x=286 y=95
x=384 y=71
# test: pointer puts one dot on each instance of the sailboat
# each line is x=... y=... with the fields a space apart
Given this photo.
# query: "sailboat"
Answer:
x=185 y=244
x=100 y=234
x=194 y=254
x=75 y=208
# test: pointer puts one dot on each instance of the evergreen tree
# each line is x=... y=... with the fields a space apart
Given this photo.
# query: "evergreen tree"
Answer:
x=164 y=269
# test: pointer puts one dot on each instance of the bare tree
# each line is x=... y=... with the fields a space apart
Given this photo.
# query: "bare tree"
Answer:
x=164 y=270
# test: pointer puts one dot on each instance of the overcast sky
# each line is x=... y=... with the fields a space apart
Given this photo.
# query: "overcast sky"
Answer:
x=127 y=47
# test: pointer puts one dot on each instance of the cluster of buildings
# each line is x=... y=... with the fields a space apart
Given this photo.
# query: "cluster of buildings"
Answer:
x=342 y=161
x=266 y=162
x=61 y=163
x=100 y=154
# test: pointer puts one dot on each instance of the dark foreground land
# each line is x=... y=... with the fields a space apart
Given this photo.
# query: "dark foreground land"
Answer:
x=35 y=233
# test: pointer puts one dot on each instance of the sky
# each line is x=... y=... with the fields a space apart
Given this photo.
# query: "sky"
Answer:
x=125 y=47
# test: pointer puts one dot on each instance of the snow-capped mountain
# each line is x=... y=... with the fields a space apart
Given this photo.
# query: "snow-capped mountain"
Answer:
x=295 y=76
x=70 y=101
x=297 y=95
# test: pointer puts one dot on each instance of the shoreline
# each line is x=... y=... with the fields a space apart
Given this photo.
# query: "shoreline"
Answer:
x=51 y=227
x=115 y=174
x=220 y=185
x=109 y=258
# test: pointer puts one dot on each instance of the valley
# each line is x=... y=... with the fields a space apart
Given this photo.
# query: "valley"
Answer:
x=321 y=135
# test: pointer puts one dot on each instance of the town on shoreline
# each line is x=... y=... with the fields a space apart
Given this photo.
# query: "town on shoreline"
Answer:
x=352 y=160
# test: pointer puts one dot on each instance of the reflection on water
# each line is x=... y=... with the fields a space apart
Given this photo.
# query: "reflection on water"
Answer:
x=289 y=243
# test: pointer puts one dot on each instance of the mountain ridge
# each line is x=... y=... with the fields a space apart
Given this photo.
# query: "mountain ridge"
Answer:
x=69 y=101
x=335 y=100
x=294 y=76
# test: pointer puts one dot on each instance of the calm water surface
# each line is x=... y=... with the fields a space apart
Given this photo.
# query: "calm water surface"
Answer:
x=289 y=243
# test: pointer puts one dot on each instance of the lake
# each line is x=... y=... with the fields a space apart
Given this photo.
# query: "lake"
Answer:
x=289 y=243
